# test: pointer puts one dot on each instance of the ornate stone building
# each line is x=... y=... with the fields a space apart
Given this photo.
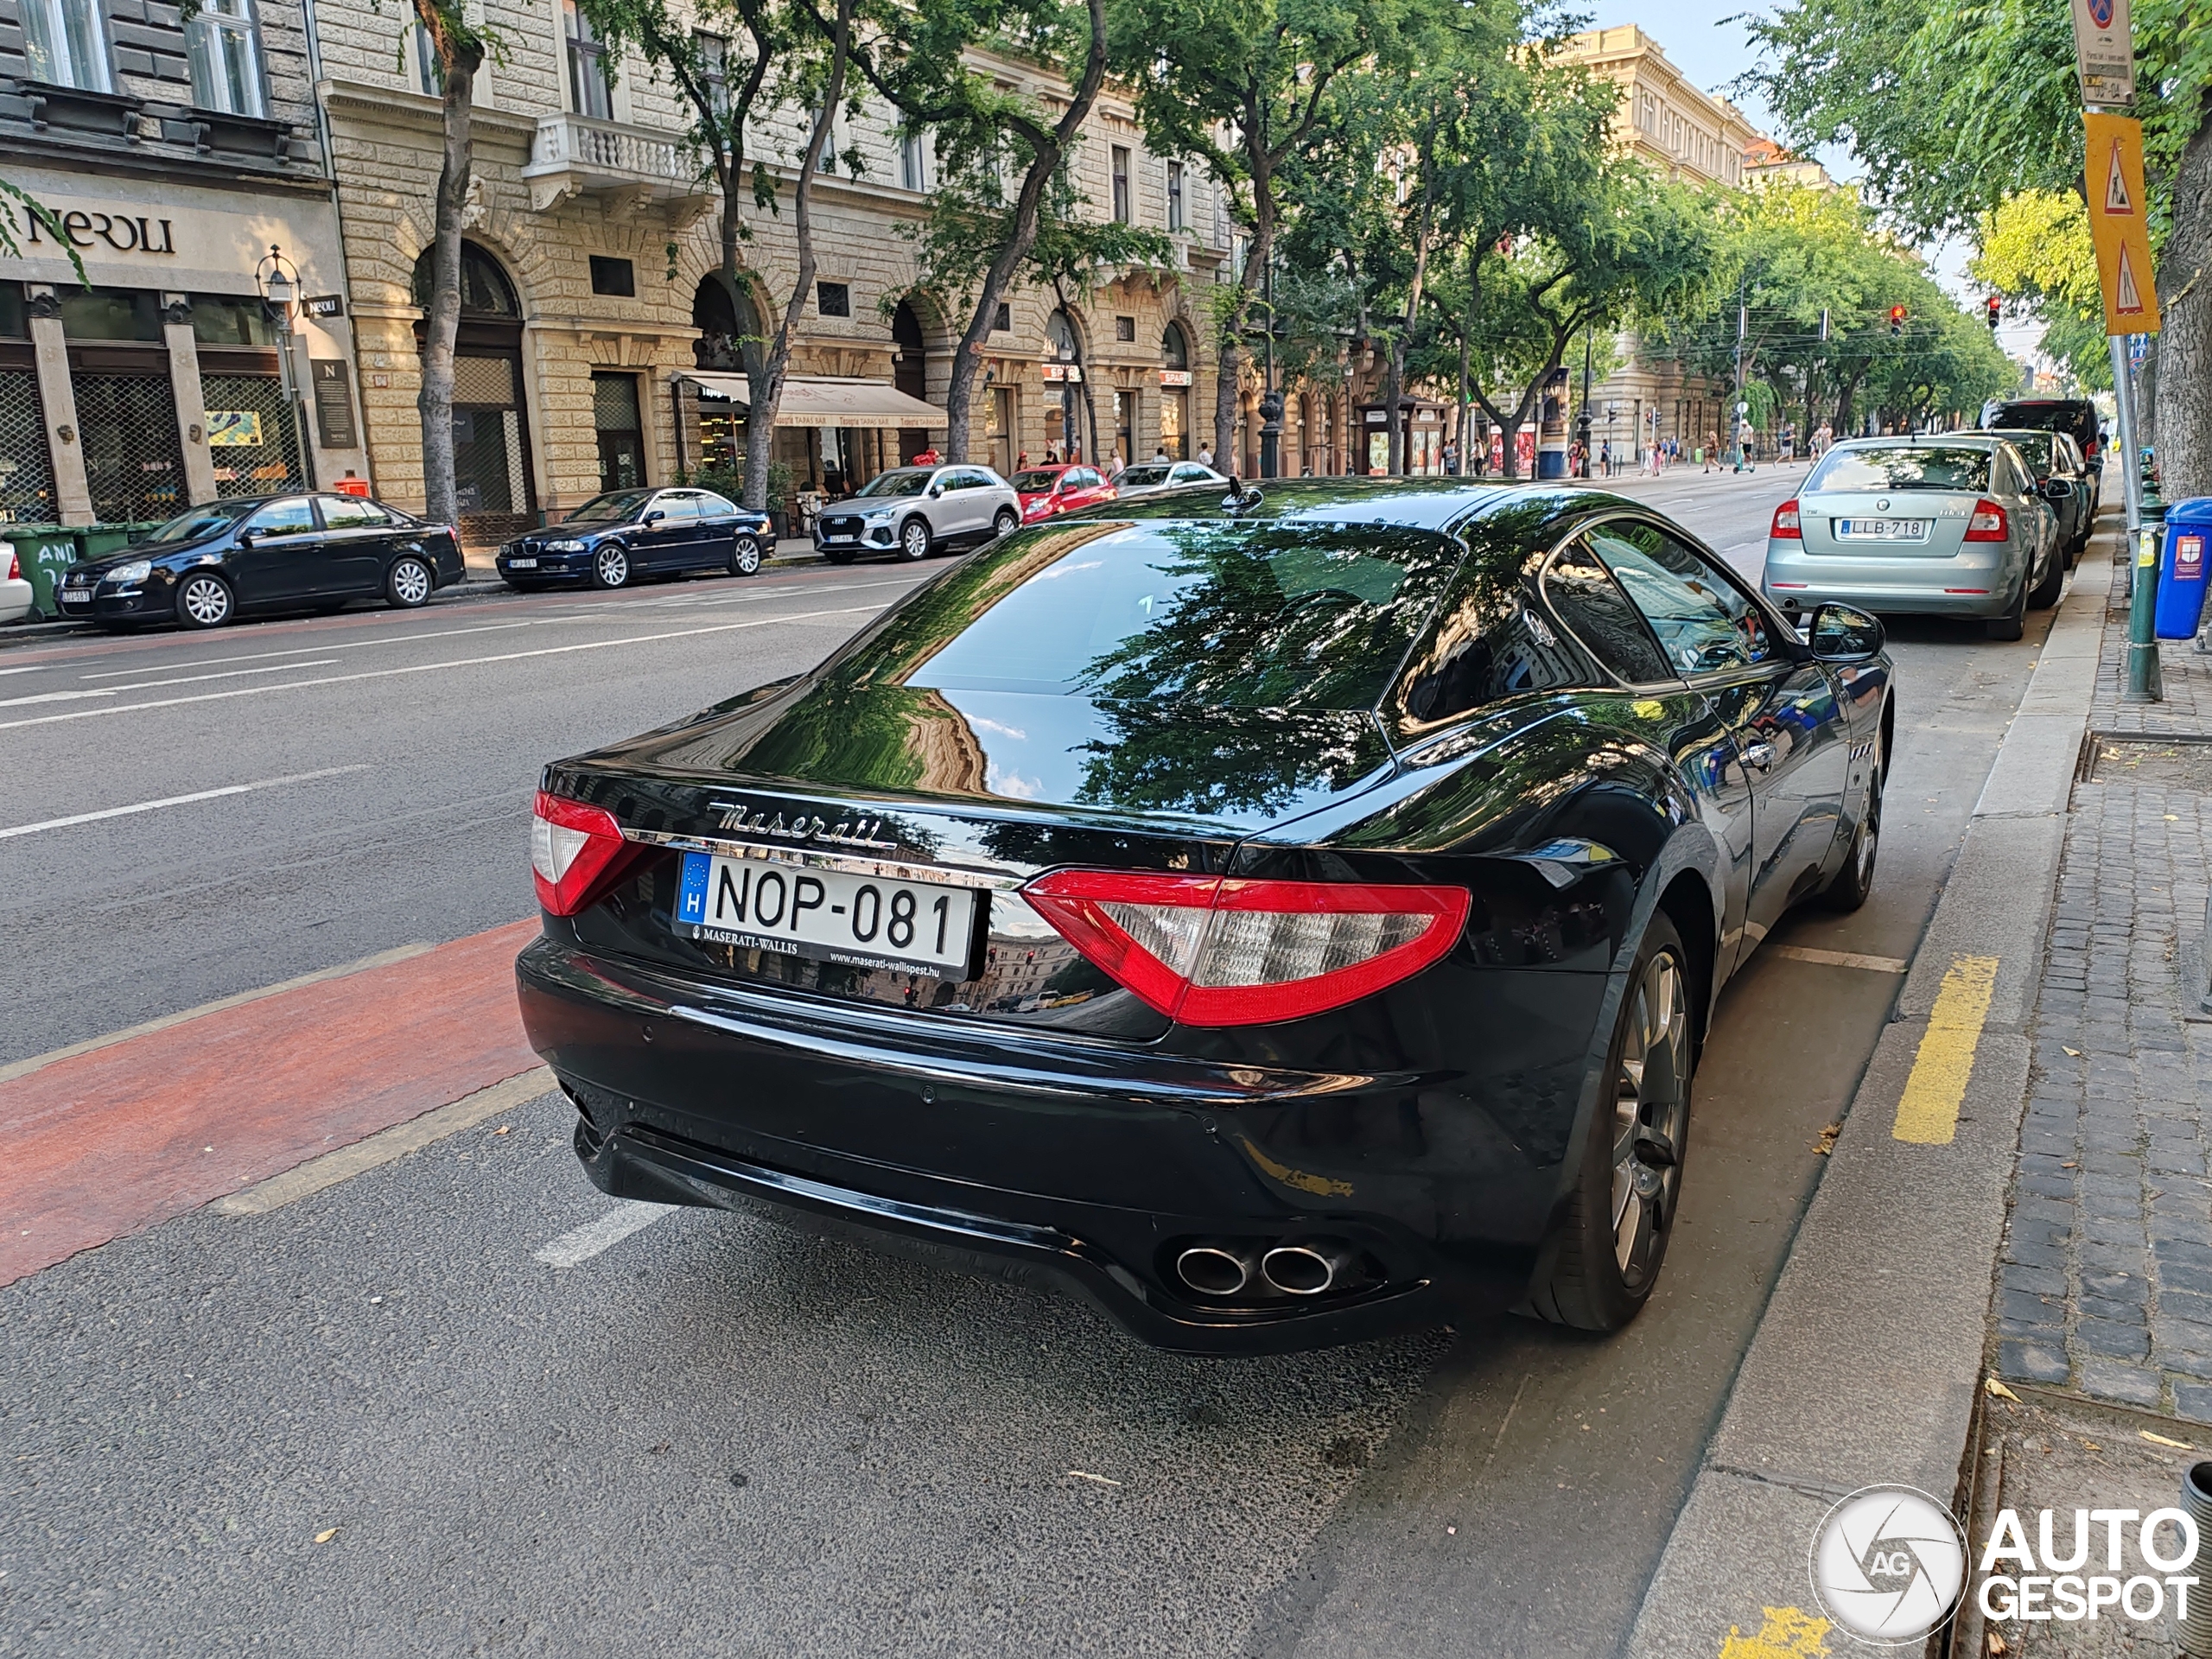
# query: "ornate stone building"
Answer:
x=596 y=345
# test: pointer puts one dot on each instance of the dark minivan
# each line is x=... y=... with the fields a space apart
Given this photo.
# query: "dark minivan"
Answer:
x=2075 y=416
x=268 y=553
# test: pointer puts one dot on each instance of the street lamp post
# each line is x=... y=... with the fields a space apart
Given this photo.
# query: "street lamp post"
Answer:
x=1270 y=399
x=278 y=279
x=1582 y=419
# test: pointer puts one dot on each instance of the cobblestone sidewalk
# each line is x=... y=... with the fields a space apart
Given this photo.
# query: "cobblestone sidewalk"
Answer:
x=2106 y=1283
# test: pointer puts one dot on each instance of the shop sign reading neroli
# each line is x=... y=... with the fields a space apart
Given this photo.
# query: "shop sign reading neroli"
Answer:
x=122 y=232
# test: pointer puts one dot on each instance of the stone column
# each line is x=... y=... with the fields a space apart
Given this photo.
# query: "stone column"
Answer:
x=72 y=496
x=191 y=401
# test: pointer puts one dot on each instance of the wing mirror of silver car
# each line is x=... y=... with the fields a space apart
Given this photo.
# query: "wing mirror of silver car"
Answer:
x=1843 y=633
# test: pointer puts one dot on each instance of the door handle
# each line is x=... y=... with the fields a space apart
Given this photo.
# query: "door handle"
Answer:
x=1758 y=754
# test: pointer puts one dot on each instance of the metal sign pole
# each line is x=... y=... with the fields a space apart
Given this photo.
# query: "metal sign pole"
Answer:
x=2138 y=547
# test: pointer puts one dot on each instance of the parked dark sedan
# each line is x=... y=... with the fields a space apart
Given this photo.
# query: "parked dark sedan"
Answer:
x=271 y=553
x=1282 y=922
x=2062 y=478
x=625 y=534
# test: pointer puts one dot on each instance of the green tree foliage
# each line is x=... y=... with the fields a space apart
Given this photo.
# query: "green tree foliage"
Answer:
x=2035 y=249
x=1240 y=87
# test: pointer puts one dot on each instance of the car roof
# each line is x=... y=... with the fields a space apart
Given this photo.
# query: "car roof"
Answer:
x=1969 y=439
x=1430 y=503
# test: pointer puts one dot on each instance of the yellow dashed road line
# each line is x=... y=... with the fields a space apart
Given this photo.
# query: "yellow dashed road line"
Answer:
x=1928 y=1115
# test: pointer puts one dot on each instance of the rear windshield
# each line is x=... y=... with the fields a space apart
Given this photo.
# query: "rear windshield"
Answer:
x=1222 y=615
x=2046 y=418
x=1906 y=467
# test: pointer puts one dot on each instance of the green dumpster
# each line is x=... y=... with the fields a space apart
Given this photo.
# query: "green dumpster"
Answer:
x=46 y=551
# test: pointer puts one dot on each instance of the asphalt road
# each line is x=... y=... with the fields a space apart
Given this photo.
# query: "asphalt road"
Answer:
x=712 y=1436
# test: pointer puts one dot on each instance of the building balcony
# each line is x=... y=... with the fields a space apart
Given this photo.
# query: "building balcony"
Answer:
x=576 y=155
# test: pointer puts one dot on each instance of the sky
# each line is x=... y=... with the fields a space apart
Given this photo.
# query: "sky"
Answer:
x=1707 y=40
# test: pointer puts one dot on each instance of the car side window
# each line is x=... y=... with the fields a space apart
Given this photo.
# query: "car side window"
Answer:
x=1705 y=624
x=294 y=516
x=678 y=506
x=715 y=507
x=1586 y=598
x=970 y=478
x=350 y=512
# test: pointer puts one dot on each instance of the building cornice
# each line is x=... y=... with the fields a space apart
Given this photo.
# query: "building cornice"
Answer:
x=45 y=150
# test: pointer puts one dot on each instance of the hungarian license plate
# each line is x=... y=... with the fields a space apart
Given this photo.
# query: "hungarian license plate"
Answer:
x=522 y=564
x=840 y=536
x=1881 y=530
x=863 y=921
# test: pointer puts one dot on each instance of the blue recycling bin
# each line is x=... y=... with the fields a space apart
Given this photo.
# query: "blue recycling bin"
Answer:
x=2183 y=565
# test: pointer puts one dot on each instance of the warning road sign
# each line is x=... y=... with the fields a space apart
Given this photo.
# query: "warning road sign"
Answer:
x=2117 y=226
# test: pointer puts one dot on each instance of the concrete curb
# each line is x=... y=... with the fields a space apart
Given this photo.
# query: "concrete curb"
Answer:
x=1864 y=1367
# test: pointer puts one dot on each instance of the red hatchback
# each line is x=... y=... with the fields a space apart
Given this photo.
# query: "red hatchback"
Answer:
x=1047 y=491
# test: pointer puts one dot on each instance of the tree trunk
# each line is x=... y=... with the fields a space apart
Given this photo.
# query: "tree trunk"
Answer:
x=1394 y=389
x=459 y=55
x=768 y=384
x=1044 y=163
x=1225 y=388
x=1467 y=468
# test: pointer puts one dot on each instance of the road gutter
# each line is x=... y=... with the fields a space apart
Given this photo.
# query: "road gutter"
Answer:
x=1864 y=1367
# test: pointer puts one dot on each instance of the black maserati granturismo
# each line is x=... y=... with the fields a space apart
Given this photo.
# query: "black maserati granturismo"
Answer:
x=1283 y=918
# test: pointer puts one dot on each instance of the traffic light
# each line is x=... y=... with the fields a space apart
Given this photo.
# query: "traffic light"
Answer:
x=1896 y=321
x=1996 y=311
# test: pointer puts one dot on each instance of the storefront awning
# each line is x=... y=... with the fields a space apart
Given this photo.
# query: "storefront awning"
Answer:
x=821 y=400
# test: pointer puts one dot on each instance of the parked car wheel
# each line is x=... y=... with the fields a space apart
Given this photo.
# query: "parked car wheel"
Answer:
x=2014 y=622
x=745 y=557
x=610 y=567
x=914 y=540
x=204 y=600
x=1848 y=889
x=2046 y=591
x=1603 y=1261
x=409 y=585
x=1007 y=523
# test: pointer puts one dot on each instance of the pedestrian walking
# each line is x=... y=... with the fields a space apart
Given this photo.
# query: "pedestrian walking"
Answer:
x=1206 y=455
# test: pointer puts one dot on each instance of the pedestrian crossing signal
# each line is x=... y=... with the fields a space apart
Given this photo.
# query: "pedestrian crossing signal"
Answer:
x=1896 y=321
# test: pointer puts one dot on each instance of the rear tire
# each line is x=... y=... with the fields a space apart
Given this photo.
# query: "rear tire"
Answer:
x=2014 y=622
x=1597 y=1270
x=409 y=585
x=2048 y=590
x=745 y=557
x=1849 y=887
x=204 y=599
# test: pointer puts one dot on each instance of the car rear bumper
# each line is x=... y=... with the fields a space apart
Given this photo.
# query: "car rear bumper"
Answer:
x=1923 y=586
x=1039 y=1158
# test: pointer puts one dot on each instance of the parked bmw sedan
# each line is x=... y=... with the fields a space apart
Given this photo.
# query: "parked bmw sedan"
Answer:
x=913 y=511
x=1282 y=925
x=614 y=539
x=274 y=553
x=1944 y=525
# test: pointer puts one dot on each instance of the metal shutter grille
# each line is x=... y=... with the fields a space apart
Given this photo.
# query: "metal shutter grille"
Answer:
x=26 y=469
x=133 y=463
x=263 y=469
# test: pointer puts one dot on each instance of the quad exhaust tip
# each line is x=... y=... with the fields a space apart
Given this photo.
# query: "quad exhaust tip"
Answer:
x=1306 y=1269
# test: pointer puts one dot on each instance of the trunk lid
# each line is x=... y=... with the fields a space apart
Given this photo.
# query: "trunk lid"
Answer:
x=1942 y=515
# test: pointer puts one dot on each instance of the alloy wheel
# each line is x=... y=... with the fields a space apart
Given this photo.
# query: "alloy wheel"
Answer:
x=610 y=567
x=205 y=601
x=410 y=584
x=1651 y=1114
x=745 y=557
x=1005 y=524
x=914 y=540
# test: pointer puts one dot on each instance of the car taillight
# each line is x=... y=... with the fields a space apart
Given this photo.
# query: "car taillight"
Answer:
x=1987 y=524
x=1208 y=951
x=1785 y=523
x=14 y=564
x=575 y=852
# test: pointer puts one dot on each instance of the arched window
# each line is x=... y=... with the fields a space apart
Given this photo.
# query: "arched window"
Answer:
x=1174 y=350
x=723 y=326
x=485 y=290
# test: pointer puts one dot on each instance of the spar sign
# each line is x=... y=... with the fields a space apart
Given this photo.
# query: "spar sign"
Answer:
x=2104 y=48
x=2117 y=223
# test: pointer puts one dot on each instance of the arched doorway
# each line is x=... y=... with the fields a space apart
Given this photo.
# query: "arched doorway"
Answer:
x=1062 y=412
x=729 y=343
x=1175 y=392
x=910 y=373
x=490 y=433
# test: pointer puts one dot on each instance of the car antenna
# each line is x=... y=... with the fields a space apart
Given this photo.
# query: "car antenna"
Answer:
x=1239 y=499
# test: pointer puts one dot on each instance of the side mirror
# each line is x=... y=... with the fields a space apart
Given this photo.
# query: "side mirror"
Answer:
x=1843 y=633
x=2056 y=489
x=936 y=490
x=246 y=538
x=653 y=517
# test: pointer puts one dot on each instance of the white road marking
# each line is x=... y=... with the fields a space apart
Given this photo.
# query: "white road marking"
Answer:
x=190 y=679
x=427 y=668
x=32 y=669
x=53 y=697
x=305 y=650
x=174 y=800
x=581 y=1244
x=1843 y=959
